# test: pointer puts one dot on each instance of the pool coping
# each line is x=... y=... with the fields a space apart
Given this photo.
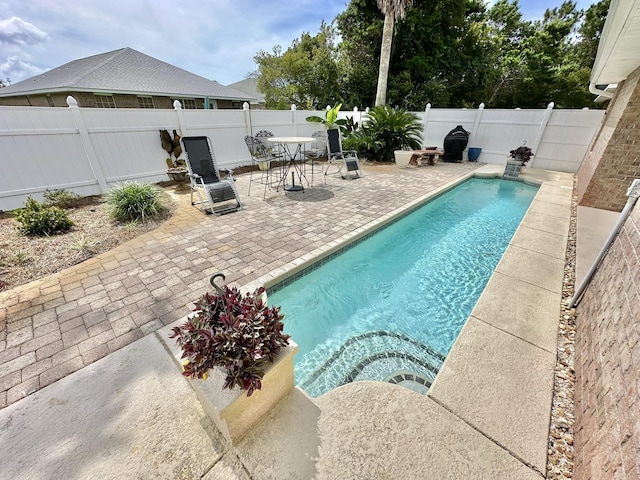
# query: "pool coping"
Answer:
x=510 y=335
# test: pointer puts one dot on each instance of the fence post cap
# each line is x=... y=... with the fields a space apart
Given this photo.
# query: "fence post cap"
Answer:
x=177 y=105
x=72 y=102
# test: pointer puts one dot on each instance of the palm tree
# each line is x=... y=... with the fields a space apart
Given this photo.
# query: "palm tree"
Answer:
x=393 y=10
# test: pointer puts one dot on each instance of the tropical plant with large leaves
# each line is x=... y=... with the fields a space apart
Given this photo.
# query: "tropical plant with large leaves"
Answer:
x=330 y=119
x=384 y=130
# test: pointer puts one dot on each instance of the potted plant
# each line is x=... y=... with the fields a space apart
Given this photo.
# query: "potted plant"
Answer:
x=237 y=341
x=386 y=134
x=177 y=169
x=518 y=159
x=522 y=154
x=236 y=332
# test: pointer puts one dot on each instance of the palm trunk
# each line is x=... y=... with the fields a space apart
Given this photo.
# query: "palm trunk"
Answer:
x=385 y=57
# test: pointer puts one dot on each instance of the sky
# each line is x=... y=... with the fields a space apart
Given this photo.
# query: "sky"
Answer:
x=215 y=39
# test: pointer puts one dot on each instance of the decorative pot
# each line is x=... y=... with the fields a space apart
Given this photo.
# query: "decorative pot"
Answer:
x=474 y=153
x=402 y=157
x=266 y=165
x=178 y=174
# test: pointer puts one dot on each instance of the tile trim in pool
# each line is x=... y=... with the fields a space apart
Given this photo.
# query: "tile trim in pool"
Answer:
x=320 y=260
x=355 y=371
x=358 y=368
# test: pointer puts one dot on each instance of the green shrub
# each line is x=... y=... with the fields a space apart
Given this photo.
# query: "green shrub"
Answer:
x=384 y=130
x=60 y=198
x=39 y=219
x=135 y=201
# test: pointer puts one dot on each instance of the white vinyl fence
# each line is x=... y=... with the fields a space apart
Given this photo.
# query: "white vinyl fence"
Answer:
x=89 y=150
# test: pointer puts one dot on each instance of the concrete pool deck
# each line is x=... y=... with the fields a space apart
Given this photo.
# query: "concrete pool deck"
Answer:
x=132 y=415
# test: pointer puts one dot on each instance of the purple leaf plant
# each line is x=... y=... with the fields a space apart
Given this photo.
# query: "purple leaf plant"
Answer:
x=239 y=333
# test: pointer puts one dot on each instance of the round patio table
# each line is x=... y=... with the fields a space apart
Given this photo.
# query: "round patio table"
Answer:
x=290 y=154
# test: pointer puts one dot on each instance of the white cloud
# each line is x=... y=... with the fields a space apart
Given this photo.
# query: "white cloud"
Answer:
x=15 y=69
x=216 y=40
x=16 y=31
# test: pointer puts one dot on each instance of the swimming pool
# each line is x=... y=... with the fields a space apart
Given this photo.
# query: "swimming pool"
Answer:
x=390 y=307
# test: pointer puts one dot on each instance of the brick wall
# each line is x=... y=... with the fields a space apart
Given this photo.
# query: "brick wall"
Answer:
x=607 y=401
x=614 y=157
x=87 y=100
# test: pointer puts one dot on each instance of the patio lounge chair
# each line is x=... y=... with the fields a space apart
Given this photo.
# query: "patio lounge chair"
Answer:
x=341 y=158
x=206 y=180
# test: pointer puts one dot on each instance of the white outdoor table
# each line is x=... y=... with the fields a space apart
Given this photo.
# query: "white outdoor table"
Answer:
x=290 y=160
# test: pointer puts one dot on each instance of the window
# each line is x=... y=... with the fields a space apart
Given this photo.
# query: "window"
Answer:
x=145 y=102
x=105 y=101
x=236 y=104
x=187 y=103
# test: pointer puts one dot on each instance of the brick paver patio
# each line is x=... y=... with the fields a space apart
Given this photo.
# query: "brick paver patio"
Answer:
x=59 y=324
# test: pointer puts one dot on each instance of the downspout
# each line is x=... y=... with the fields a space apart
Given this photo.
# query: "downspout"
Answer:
x=602 y=93
x=632 y=193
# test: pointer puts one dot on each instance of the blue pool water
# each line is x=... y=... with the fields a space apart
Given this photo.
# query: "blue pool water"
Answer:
x=391 y=307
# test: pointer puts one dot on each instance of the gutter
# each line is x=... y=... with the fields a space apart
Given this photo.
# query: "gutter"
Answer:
x=596 y=91
x=632 y=193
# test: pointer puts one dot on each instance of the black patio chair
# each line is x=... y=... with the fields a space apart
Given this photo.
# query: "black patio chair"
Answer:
x=341 y=158
x=214 y=190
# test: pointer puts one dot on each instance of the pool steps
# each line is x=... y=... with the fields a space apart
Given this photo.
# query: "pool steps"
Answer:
x=362 y=356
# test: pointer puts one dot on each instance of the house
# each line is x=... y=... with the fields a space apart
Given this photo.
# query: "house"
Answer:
x=123 y=78
x=606 y=431
x=250 y=87
x=613 y=159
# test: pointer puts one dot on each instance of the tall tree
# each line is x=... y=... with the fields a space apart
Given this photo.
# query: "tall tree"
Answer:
x=393 y=10
x=590 y=31
x=307 y=74
x=508 y=30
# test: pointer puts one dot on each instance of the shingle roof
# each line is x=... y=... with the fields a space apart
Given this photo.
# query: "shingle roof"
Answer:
x=124 y=71
x=250 y=87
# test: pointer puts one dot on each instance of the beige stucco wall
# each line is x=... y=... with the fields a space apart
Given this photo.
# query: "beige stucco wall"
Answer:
x=614 y=157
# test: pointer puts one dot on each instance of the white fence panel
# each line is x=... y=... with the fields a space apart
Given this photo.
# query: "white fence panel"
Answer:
x=566 y=139
x=88 y=150
x=40 y=148
x=226 y=129
x=441 y=121
x=127 y=142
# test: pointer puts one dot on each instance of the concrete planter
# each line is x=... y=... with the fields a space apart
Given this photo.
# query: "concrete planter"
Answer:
x=402 y=157
x=233 y=413
x=512 y=169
